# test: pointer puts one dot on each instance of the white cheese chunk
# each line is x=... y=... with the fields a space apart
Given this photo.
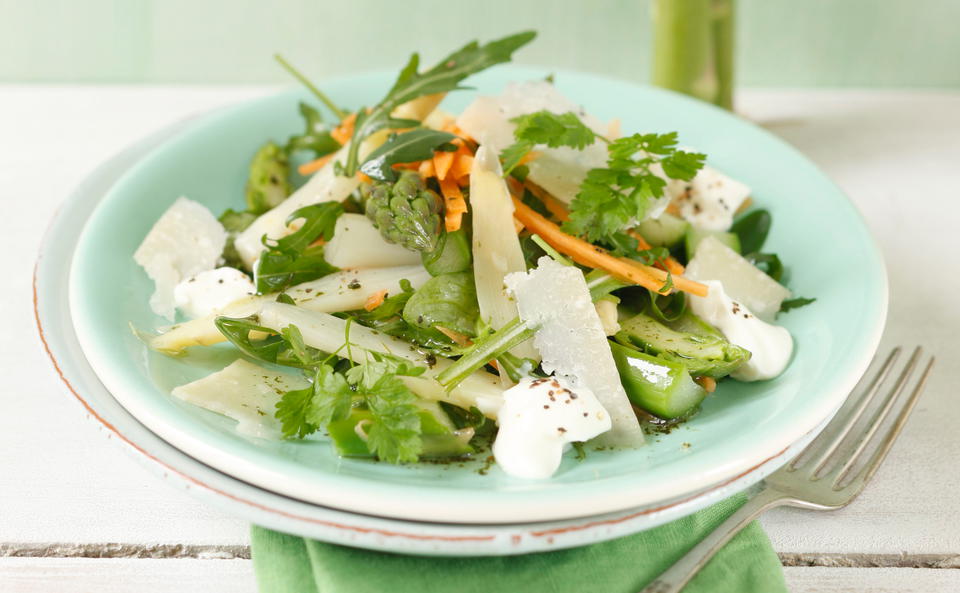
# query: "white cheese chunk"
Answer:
x=709 y=200
x=741 y=279
x=570 y=338
x=246 y=392
x=186 y=240
x=539 y=417
x=210 y=291
x=357 y=244
x=770 y=345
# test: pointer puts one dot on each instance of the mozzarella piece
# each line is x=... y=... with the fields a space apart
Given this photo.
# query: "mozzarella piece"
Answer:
x=186 y=240
x=538 y=419
x=770 y=345
x=341 y=291
x=357 y=244
x=246 y=392
x=555 y=299
x=709 y=200
x=210 y=291
x=561 y=170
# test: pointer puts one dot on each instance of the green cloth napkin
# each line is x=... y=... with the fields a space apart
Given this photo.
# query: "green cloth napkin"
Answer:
x=748 y=564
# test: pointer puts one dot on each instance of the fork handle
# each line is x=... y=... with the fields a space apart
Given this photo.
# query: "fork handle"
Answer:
x=678 y=575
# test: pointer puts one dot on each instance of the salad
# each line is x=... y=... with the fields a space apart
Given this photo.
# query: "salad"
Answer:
x=411 y=283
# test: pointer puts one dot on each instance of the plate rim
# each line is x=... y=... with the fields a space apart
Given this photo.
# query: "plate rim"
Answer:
x=360 y=497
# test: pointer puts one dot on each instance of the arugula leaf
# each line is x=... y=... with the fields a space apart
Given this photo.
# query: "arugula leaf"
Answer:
x=612 y=198
x=795 y=303
x=291 y=260
x=316 y=135
x=285 y=349
x=444 y=77
x=415 y=145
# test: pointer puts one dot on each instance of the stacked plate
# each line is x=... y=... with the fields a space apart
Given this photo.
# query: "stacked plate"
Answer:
x=744 y=431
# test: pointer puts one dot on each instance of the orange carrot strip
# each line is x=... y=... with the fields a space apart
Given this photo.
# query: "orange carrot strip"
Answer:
x=343 y=132
x=528 y=157
x=462 y=165
x=557 y=208
x=427 y=169
x=670 y=264
x=583 y=252
x=517 y=225
x=458 y=338
x=375 y=300
x=315 y=165
x=679 y=282
x=442 y=161
x=456 y=206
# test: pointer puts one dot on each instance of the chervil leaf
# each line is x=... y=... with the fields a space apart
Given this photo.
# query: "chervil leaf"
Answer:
x=291 y=260
x=444 y=77
x=795 y=303
x=332 y=397
x=554 y=129
x=511 y=156
x=415 y=145
x=394 y=433
x=292 y=411
x=545 y=127
x=613 y=198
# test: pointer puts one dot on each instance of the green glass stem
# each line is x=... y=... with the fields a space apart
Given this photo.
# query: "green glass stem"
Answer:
x=693 y=48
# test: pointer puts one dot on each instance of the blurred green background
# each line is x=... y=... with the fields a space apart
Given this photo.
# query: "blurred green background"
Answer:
x=873 y=43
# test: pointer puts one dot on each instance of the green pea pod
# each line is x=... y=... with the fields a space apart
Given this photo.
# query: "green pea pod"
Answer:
x=659 y=386
x=438 y=438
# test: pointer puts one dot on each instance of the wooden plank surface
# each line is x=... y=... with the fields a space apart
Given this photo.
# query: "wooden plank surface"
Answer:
x=88 y=575
x=895 y=154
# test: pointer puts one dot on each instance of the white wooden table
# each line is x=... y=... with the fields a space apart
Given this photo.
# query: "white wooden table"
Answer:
x=77 y=514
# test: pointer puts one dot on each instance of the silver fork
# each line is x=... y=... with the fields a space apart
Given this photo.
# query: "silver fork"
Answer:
x=821 y=477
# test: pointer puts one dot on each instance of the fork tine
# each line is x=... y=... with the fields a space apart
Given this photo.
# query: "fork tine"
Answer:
x=840 y=472
x=894 y=431
x=851 y=418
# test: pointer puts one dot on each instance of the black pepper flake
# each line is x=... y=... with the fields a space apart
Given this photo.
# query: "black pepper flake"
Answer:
x=550 y=392
x=585 y=414
x=354 y=285
x=546 y=406
x=219 y=280
x=561 y=429
x=573 y=395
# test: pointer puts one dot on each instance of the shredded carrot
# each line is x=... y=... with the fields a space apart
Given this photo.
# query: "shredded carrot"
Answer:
x=709 y=384
x=532 y=155
x=557 y=208
x=462 y=165
x=458 y=338
x=427 y=169
x=343 y=132
x=592 y=256
x=669 y=264
x=442 y=161
x=375 y=300
x=456 y=206
x=673 y=208
x=315 y=165
x=364 y=178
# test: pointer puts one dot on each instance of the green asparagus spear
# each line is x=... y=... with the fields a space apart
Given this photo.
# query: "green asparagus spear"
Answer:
x=662 y=387
x=405 y=212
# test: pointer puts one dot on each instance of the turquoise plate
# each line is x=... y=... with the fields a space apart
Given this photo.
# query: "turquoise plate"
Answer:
x=740 y=428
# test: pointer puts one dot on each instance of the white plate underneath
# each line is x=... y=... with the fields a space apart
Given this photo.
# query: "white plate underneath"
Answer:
x=276 y=511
